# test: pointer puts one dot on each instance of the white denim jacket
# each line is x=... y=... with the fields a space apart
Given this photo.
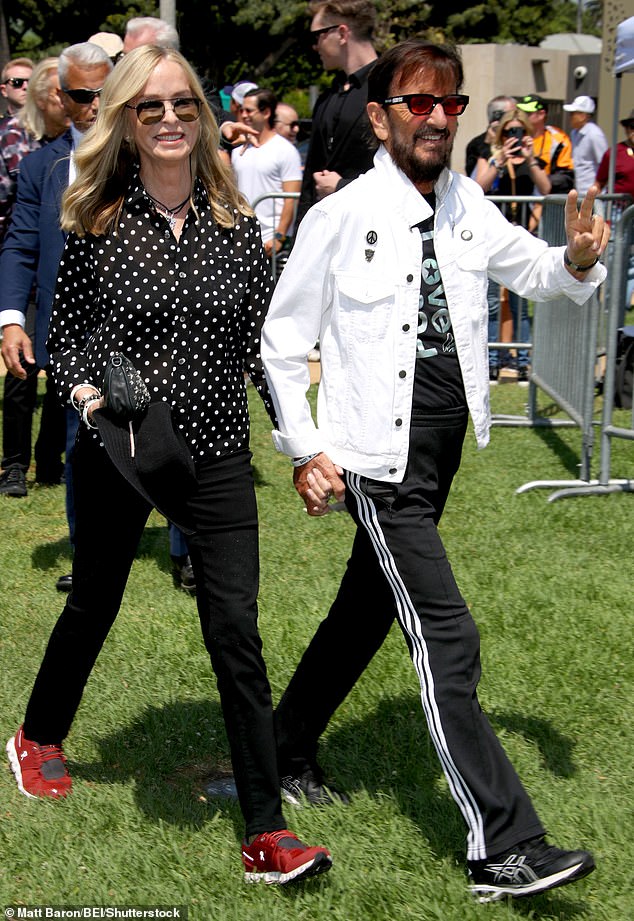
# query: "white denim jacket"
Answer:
x=353 y=281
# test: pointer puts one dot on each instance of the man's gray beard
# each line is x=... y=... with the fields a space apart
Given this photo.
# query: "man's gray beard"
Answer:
x=415 y=169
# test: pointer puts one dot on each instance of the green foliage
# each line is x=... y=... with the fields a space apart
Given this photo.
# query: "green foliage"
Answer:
x=524 y=22
x=300 y=101
x=402 y=19
x=47 y=26
x=276 y=16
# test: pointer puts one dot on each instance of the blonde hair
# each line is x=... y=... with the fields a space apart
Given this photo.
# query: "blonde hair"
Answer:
x=107 y=155
x=16 y=62
x=513 y=115
x=31 y=115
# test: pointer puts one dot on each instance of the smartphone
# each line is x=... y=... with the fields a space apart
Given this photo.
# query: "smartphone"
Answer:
x=517 y=133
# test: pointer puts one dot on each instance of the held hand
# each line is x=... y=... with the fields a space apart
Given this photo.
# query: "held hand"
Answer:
x=316 y=482
x=14 y=342
x=587 y=233
x=270 y=244
x=325 y=182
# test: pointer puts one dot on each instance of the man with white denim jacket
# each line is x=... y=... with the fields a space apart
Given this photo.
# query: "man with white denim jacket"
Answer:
x=390 y=274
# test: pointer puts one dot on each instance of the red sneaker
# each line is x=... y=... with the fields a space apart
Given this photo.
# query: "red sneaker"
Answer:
x=40 y=770
x=280 y=857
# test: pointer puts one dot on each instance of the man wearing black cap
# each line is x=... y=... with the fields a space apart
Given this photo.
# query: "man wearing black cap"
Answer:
x=551 y=146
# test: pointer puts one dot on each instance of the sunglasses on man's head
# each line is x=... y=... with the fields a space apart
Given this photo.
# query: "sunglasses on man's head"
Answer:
x=425 y=103
x=83 y=97
x=17 y=82
x=152 y=111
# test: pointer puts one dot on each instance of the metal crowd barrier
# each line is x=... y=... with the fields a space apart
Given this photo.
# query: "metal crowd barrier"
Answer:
x=525 y=202
x=277 y=259
x=605 y=484
x=568 y=344
x=559 y=327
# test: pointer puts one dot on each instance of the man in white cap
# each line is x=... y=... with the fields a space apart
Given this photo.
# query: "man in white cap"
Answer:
x=589 y=143
x=237 y=96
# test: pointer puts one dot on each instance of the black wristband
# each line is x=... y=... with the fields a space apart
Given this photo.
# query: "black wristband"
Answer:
x=578 y=268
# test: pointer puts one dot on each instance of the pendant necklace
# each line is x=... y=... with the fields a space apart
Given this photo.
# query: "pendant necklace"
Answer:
x=169 y=213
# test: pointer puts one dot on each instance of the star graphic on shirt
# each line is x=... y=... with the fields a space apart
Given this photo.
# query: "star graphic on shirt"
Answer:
x=430 y=271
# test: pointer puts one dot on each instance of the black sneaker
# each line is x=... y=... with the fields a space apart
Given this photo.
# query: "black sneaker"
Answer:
x=309 y=789
x=65 y=583
x=13 y=482
x=530 y=867
x=183 y=574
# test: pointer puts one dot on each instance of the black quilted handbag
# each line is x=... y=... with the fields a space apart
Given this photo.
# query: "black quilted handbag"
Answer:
x=124 y=392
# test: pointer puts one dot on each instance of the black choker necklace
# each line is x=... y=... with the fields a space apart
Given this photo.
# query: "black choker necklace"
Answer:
x=169 y=213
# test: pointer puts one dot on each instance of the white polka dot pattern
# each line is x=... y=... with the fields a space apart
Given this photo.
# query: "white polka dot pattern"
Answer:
x=187 y=313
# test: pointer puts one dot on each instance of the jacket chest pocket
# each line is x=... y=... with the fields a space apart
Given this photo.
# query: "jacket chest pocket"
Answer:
x=466 y=283
x=364 y=306
x=473 y=259
x=469 y=257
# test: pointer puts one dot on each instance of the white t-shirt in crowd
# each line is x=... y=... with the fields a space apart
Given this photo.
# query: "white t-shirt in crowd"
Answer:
x=263 y=169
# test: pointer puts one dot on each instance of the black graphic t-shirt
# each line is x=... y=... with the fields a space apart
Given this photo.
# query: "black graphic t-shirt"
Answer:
x=438 y=382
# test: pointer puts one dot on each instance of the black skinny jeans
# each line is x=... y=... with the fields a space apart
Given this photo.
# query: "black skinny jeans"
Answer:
x=110 y=517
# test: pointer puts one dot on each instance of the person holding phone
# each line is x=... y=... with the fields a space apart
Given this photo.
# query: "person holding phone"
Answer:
x=511 y=170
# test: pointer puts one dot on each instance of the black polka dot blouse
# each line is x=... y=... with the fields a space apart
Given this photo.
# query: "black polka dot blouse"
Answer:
x=187 y=313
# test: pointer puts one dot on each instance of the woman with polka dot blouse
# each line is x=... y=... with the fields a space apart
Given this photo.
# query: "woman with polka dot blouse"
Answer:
x=164 y=263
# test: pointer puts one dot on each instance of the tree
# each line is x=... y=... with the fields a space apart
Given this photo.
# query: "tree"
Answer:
x=4 y=38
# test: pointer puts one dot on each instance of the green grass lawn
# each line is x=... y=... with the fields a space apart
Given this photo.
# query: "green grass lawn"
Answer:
x=550 y=586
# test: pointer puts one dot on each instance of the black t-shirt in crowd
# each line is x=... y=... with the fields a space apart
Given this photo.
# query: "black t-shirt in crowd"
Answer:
x=438 y=381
